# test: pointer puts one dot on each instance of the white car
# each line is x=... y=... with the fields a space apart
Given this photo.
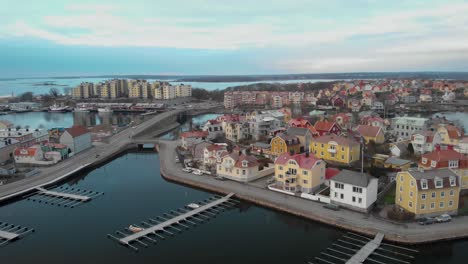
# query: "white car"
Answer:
x=197 y=172
x=186 y=170
x=443 y=218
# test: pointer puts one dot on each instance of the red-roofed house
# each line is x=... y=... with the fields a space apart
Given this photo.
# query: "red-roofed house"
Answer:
x=425 y=141
x=28 y=155
x=299 y=122
x=214 y=128
x=212 y=154
x=76 y=138
x=324 y=127
x=243 y=168
x=343 y=119
x=299 y=172
x=450 y=134
x=371 y=133
x=191 y=138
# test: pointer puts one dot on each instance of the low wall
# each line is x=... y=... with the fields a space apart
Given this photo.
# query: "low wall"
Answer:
x=317 y=197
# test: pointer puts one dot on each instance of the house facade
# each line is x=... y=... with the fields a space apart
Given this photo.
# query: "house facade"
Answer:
x=354 y=190
x=327 y=127
x=76 y=138
x=449 y=134
x=284 y=143
x=371 y=133
x=405 y=126
x=337 y=149
x=428 y=193
x=242 y=168
x=188 y=139
x=425 y=141
x=299 y=172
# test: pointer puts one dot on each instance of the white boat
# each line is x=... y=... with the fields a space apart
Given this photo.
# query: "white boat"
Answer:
x=135 y=229
x=81 y=109
x=193 y=205
x=105 y=110
x=58 y=108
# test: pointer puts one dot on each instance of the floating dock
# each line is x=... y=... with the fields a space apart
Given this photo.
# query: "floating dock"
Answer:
x=179 y=219
x=9 y=232
x=356 y=249
x=63 y=196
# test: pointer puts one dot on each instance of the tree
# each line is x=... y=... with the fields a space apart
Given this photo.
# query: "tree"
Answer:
x=54 y=92
x=25 y=97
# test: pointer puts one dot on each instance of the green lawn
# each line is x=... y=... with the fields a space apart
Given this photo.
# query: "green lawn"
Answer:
x=389 y=198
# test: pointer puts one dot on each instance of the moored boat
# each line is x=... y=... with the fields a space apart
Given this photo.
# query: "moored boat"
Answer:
x=135 y=229
x=58 y=108
x=193 y=205
x=105 y=110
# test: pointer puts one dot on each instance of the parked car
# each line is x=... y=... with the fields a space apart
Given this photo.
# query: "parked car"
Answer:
x=443 y=218
x=427 y=221
x=220 y=178
x=333 y=207
x=186 y=170
x=197 y=172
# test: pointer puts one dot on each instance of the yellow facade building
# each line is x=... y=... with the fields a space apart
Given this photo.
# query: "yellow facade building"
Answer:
x=449 y=134
x=299 y=172
x=428 y=193
x=336 y=149
x=283 y=143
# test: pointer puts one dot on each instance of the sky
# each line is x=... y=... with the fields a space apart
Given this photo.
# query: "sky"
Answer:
x=196 y=37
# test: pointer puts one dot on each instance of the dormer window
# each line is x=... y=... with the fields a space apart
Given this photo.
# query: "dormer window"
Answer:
x=424 y=160
x=433 y=164
x=244 y=163
x=453 y=164
x=438 y=182
x=452 y=181
x=424 y=184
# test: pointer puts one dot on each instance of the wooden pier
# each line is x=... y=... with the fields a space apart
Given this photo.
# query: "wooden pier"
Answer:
x=63 y=196
x=9 y=232
x=356 y=249
x=182 y=218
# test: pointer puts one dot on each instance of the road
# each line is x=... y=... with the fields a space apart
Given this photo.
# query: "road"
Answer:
x=116 y=144
x=410 y=233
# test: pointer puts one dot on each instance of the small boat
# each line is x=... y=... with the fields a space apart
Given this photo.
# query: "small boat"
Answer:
x=81 y=109
x=58 y=108
x=105 y=110
x=135 y=229
x=193 y=205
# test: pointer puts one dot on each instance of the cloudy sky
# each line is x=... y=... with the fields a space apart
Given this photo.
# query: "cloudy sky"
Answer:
x=60 y=38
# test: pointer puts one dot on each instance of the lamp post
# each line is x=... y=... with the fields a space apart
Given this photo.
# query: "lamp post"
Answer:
x=362 y=154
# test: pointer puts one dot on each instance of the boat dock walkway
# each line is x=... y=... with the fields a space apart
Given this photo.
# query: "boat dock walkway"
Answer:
x=356 y=249
x=63 y=196
x=9 y=232
x=176 y=220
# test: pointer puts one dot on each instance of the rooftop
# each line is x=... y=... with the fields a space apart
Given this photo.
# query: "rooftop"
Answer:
x=353 y=178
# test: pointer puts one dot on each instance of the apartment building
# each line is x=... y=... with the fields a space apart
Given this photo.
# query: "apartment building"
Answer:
x=83 y=91
x=354 y=190
x=405 y=126
x=336 y=149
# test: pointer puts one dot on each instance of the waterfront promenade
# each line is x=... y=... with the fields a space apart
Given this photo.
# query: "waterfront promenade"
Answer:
x=410 y=233
x=91 y=157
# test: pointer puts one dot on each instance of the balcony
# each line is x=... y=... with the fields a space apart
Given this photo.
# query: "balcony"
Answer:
x=290 y=175
x=332 y=150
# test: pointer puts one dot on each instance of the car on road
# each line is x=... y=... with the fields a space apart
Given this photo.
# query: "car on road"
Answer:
x=443 y=218
x=186 y=170
x=197 y=172
x=427 y=221
x=220 y=178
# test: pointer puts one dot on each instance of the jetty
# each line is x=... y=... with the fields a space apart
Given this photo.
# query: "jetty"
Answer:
x=179 y=219
x=10 y=232
x=63 y=196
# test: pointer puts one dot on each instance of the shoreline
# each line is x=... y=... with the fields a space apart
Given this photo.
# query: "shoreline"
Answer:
x=343 y=219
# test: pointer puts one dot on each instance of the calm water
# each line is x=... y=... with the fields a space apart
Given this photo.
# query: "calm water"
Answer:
x=48 y=120
x=461 y=117
x=38 y=86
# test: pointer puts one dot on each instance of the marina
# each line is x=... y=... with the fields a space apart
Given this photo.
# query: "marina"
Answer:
x=181 y=218
x=63 y=196
x=10 y=232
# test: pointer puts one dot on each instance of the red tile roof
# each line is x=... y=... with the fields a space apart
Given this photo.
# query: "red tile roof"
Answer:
x=454 y=132
x=324 y=125
x=299 y=122
x=368 y=131
x=194 y=134
x=331 y=172
x=76 y=131
x=301 y=159
x=26 y=152
x=215 y=147
x=444 y=155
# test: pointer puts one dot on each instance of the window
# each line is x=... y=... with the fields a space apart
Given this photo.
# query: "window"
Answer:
x=411 y=194
x=432 y=205
x=280 y=167
x=315 y=144
x=441 y=205
x=354 y=199
x=243 y=172
x=280 y=176
x=339 y=185
x=401 y=178
x=336 y=194
x=322 y=145
x=401 y=188
x=305 y=181
x=433 y=195
x=452 y=181
x=423 y=184
x=304 y=172
x=342 y=196
x=453 y=163
x=401 y=198
x=424 y=160
x=438 y=183
x=452 y=192
x=450 y=203
x=321 y=153
x=433 y=164
x=423 y=196
x=357 y=189
x=412 y=183
x=397 y=126
x=442 y=194
x=410 y=204
x=237 y=171
x=360 y=200
x=342 y=148
x=342 y=157
x=423 y=206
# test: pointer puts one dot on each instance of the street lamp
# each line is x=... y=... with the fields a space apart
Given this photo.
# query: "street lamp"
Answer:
x=362 y=154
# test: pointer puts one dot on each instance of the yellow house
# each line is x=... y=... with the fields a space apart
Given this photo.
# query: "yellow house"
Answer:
x=299 y=172
x=428 y=193
x=371 y=133
x=336 y=149
x=283 y=143
x=450 y=135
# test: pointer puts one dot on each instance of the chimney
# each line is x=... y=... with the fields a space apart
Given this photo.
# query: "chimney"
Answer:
x=291 y=152
x=307 y=154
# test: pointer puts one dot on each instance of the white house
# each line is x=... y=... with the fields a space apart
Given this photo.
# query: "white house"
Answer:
x=242 y=168
x=354 y=190
x=29 y=155
x=76 y=138
x=405 y=126
x=191 y=138
x=425 y=141
x=214 y=129
x=212 y=154
x=462 y=146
